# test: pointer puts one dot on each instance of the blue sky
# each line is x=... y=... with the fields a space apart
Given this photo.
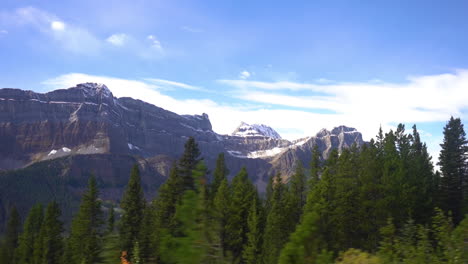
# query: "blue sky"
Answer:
x=297 y=66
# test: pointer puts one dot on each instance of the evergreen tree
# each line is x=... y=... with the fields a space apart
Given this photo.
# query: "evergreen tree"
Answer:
x=133 y=204
x=222 y=207
x=314 y=167
x=243 y=192
x=277 y=227
x=253 y=248
x=452 y=161
x=31 y=229
x=194 y=240
x=220 y=173
x=111 y=220
x=11 y=237
x=187 y=163
x=85 y=238
x=297 y=194
x=49 y=247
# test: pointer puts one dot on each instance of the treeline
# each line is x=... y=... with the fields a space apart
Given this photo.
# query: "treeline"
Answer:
x=379 y=203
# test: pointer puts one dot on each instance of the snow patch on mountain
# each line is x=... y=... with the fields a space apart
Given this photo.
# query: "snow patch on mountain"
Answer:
x=255 y=130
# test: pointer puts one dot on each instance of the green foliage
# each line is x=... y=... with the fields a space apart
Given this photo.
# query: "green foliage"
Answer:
x=278 y=225
x=85 y=238
x=220 y=173
x=133 y=203
x=222 y=206
x=356 y=256
x=243 y=193
x=452 y=161
x=111 y=220
x=297 y=194
x=31 y=229
x=187 y=163
x=253 y=247
x=49 y=246
x=8 y=247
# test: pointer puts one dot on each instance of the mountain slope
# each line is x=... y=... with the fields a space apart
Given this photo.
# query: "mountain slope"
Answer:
x=91 y=129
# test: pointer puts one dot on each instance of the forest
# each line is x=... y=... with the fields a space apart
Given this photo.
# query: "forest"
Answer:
x=383 y=202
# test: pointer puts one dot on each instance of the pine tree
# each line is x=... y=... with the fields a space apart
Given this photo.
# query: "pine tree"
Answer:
x=85 y=238
x=452 y=161
x=133 y=204
x=236 y=228
x=222 y=207
x=194 y=240
x=314 y=167
x=111 y=220
x=11 y=237
x=277 y=227
x=49 y=247
x=187 y=163
x=253 y=248
x=297 y=194
x=220 y=173
x=31 y=229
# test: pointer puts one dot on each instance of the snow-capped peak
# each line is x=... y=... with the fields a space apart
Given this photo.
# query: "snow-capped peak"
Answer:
x=255 y=130
x=92 y=89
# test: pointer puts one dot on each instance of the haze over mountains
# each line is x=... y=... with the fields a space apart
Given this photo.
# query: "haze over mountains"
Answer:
x=70 y=133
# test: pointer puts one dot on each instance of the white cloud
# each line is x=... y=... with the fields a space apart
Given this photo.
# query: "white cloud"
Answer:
x=155 y=43
x=117 y=39
x=191 y=29
x=365 y=106
x=171 y=84
x=70 y=37
x=3 y=31
x=244 y=75
x=57 y=25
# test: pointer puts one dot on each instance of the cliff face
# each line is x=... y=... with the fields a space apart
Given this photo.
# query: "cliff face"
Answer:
x=51 y=143
x=88 y=119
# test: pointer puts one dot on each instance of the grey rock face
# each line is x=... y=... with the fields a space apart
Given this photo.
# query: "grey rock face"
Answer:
x=87 y=119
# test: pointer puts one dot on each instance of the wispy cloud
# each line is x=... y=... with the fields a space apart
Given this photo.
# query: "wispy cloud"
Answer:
x=365 y=106
x=3 y=32
x=191 y=29
x=171 y=84
x=244 y=75
x=155 y=43
x=421 y=99
x=118 y=39
x=72 y=38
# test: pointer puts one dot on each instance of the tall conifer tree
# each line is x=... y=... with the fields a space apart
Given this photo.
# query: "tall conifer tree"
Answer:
x=85 y=238
x=133 y=203
x=31 y=229
x=11 y=238
x=452 y=161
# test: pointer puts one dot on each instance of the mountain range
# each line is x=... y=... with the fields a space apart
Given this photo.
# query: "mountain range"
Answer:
x=51 y=142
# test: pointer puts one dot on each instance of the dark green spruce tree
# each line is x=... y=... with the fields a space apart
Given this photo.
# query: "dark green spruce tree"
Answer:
x=277 y=226
x=8 y=249
x=252 y=253
x=50 y=247
x=133 y=204
x=222 y=205
x=297 y=194
x=452 y=161
x=86 y=232
x=220 y=173
x=31 y=229
x=237 y=228
x=187 y=163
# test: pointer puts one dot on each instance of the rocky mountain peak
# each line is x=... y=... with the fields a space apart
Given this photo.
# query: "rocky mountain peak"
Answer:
x=323 y=132
x=200 y=121
x=92 y=89
x=255 y=130
x=343 y=129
